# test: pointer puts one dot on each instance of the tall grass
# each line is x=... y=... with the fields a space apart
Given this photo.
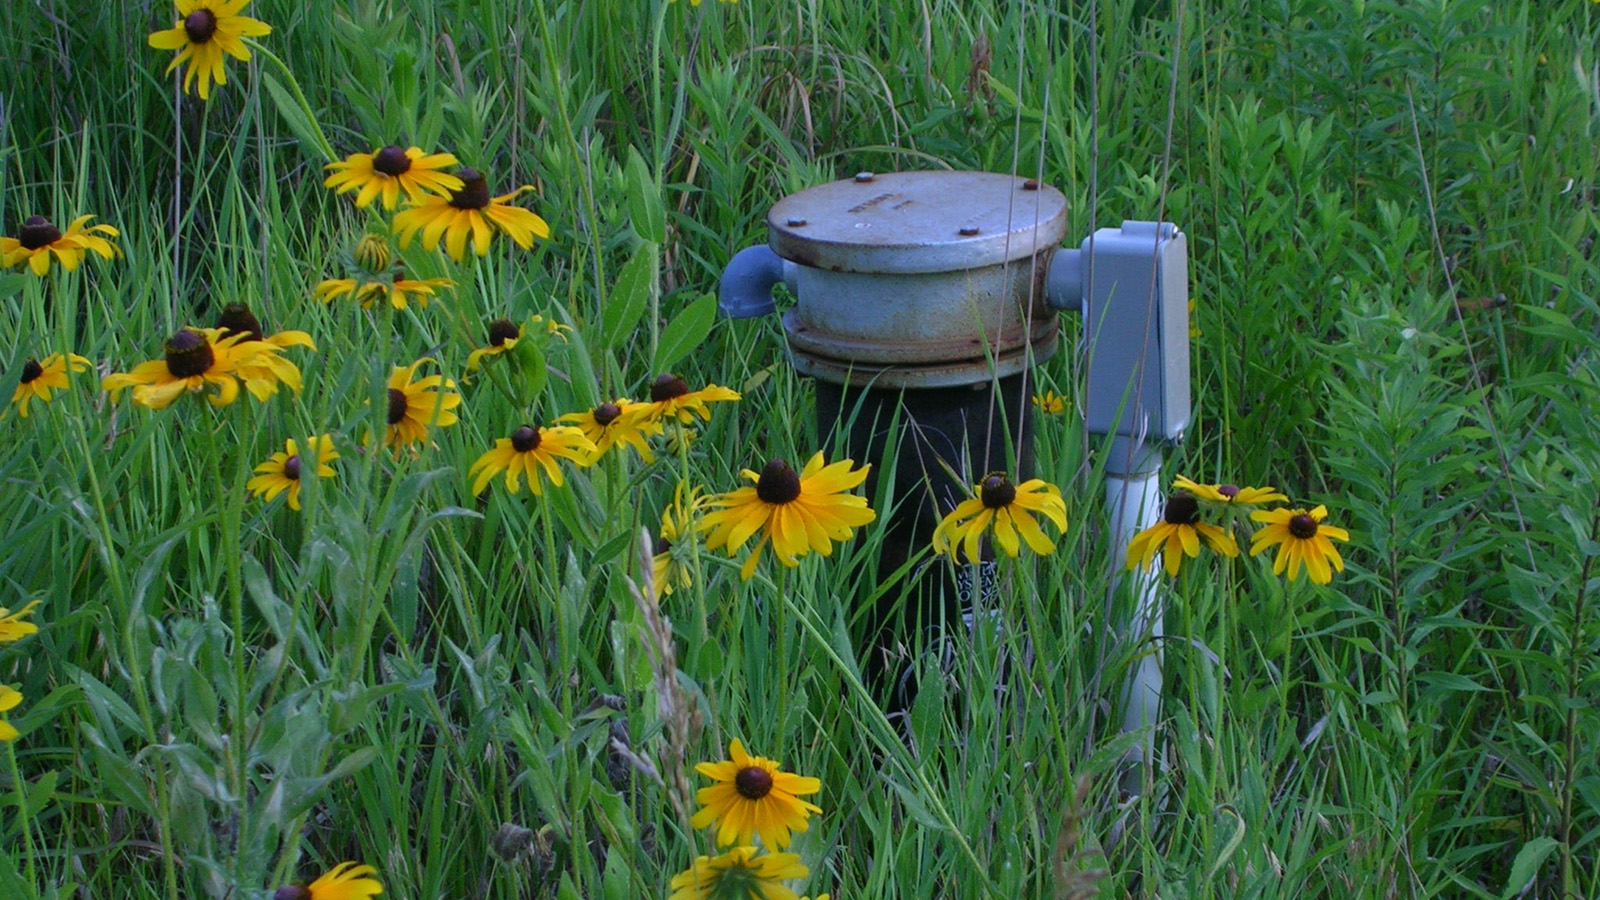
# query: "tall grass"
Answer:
x=226 y=696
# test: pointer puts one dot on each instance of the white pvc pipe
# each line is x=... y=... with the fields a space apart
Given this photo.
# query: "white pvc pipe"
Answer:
x=1133 y=503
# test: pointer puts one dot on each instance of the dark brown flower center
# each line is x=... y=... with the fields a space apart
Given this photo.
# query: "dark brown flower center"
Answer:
x=1303 y=526
x=31 y=370
x=1182 y=509
x=397 y=405
x=662 y=545
x=391 y=160
x=38 y=232
x=291 y=892
x=606 y=413
x=200 y=26
x=189 y=355
x=291 y=468
x=1229 y=491
x=237 y=318
x=667 y=386
x=778 y=484
x=996 y=491
x=474 y=193
x=753 y=782
x=525 y=439
x=502 y=330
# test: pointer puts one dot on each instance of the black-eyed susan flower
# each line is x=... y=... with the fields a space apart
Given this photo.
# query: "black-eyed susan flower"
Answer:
x=397 y=289
x=1178 y=534
x=205 y=32
x=386 y=172
x=39 y=379
x=10 y=697
x=742 y=873
x=530 y=449
x=670 y=398
x=414 y=405
x=346 y=881
x=1231 y=494
x=12 y=628
x=1302 y=538
x=38 y=238
x=753 y=796
x=1006 y=508
x=469 y=212
x=613 y=423
x=503 y=336
x=282 y=471
x=796 y=512
x=267 y=369
x=194 y=358
x=669 y=568
x=1049 y=404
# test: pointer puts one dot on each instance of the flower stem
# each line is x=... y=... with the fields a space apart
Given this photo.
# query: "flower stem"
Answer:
x=22 y=820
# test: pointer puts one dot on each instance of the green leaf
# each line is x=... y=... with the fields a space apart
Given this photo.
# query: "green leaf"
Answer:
x=629 y=297
x=534 y=370
x=644 y=200
x=687 y=330
x=293 y=114
x=1526 y=865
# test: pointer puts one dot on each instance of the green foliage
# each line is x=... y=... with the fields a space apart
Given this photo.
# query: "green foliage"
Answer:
x=1391 y=214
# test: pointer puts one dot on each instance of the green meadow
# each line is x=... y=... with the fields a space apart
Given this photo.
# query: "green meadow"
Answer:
x=481 y=693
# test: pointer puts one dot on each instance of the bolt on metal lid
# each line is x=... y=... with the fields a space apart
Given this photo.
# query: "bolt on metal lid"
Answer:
x=918 y=222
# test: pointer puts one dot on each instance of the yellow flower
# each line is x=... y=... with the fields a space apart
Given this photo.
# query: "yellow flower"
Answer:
x=1180 y=532
x=469 y=212
x=668 y=568
x=9 y=698
x=398 y=291
x=1301 y=538
x=37 y=239
x=346 y=881
x=414 y=405
x=263 y=373
x=1049 y=404
x=194 y=358
x=207 y=30
x=796 y=513
x=1009 y=509
x=503 y=336
x=670 y=398
x=40 y=378
x=752 y=796
x=527 y=450
x=282 y=471
x=386 y=172
x=12 y=628
x=610 y=424
x=1230 y=494
x=739 y=874
x=697 y=2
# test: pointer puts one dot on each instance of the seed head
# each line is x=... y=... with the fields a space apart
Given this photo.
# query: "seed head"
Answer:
x=38 y=232
x=525 y=439
x=188 y=354
x=391 y=160
x=474 y=193
x=778 y=484
x=996 y=491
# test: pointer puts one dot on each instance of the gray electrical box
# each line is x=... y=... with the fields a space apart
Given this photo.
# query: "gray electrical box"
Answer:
x=1132 y=284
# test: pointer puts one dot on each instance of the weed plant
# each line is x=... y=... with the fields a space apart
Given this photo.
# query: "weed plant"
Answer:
x=1392 y=221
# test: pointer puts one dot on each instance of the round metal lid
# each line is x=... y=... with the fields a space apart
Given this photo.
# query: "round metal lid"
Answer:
x=918 y=222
